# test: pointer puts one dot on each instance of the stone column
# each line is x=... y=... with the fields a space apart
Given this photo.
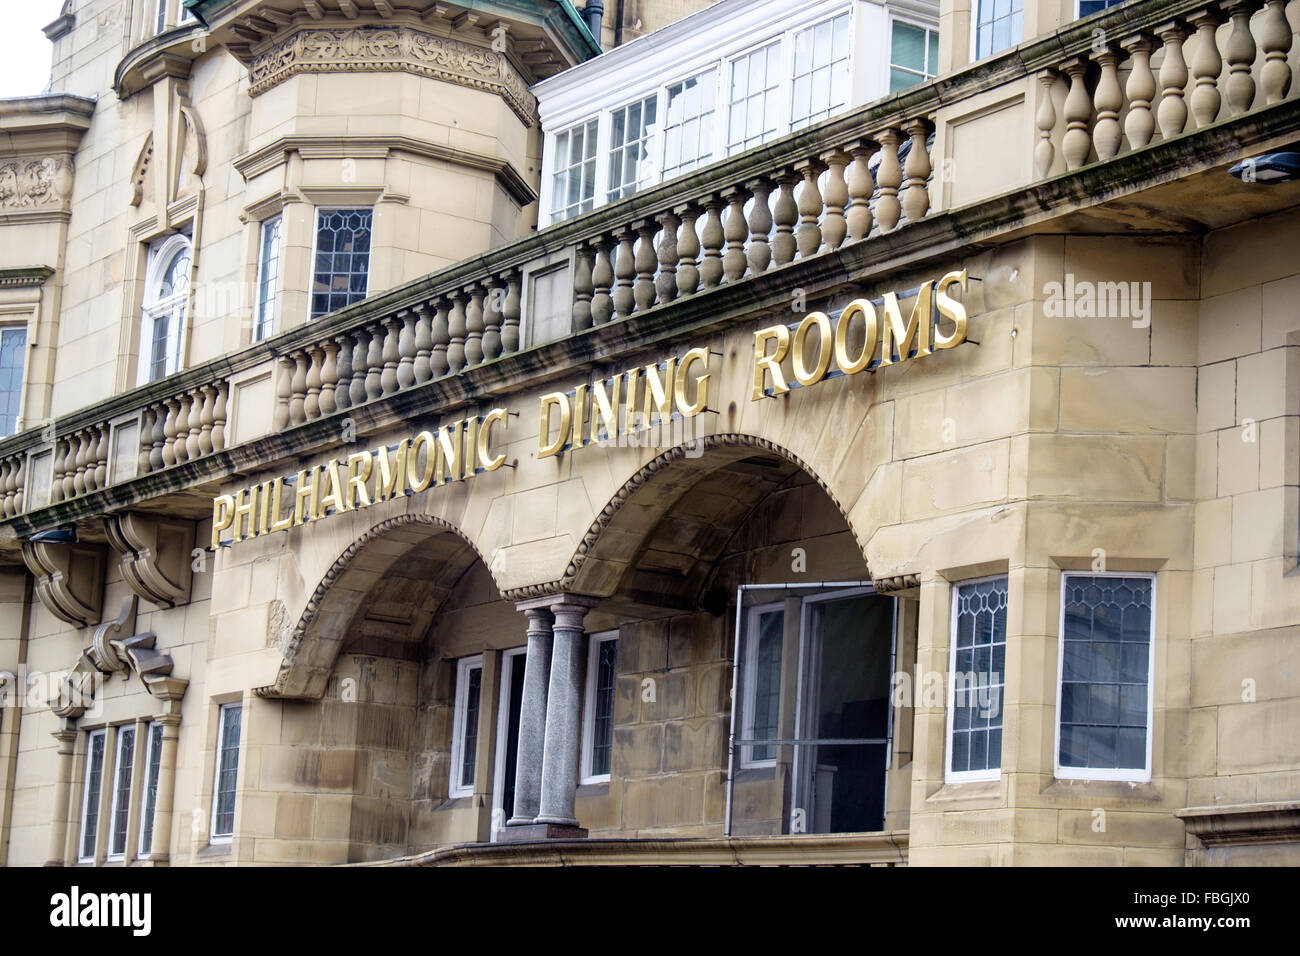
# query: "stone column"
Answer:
x=67 y=738
x=160 y=845
x=532 y=718
x=560 y=752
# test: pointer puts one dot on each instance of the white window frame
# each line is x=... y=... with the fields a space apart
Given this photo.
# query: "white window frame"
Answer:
x=599 y=181
x=22 y=377
x=1128 y=775
x=85 y=795
x=969 y=776
x=653 y=140
x=160 y=17
x=784 y=89
x=146 y=830
x=311 y=263
x=160 y=255
x=589 y=707
x=1079 y=16
x=787 y=70
x=120 y=734
x=259 y=303
x=214 y=836
x=699 y=161
x=463 y=666
x=515 y=657
x=974 y=32
x=747 y=704
x=889 y=61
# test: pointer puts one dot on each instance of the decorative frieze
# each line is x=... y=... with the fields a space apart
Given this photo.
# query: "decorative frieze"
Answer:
x=35 y=182
x=384 y=50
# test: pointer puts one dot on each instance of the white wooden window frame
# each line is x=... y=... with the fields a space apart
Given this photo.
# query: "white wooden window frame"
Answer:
x=119 y=742
x=160 y=255
x=600 y=179
x=974 y=31
x=6 y=326
x=788 y=67
x=699 y=160
x=222 y=711
x=146 y=823
x=889 y=59
x=748 y=701
x=85 y=795
x=515 y=657
x=967 y=776
x=653 y=139
x=1127 y=775
x=463 y=666
x=260 y=303
x=315 y=239
x=589 y=707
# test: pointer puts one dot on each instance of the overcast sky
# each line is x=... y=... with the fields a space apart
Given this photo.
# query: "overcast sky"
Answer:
x=24 y=51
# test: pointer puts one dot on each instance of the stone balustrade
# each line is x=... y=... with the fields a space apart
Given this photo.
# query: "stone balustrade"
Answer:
x=183 y=428
x=13 y=484
x=1167 y=70
x=80 y=463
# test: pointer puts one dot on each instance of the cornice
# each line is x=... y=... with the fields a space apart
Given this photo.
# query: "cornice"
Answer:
x=23 y=277
x=169 y=54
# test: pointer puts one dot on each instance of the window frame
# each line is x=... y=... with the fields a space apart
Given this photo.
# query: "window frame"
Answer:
x=991 y=773
x=148 y=813
x=459 y=726
x=601 y=121
x=788 y=74
x=889 y=57
x=1111 y=6
x=974 y=32
x=784 y=88
x=159 y=254
x=510 y=659
x=594 y=641
x=745 y=757
x=261 y=329
x=82 y=856
x=683 y=169
x=25 y=328
x=120 y=736
x=315 y=242
x=652 y=138
x=213 y=836
x=1127 y=775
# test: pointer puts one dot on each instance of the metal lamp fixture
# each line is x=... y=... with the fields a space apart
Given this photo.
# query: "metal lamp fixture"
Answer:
x=65 y=535
x=1268 y=169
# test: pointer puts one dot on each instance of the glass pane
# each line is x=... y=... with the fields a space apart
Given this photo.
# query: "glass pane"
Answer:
x=94 y=780
x=122 y=798
x=908 y=47
x=154 y=758
x=342 y=260
x=13 y=352
x=227 y=771
x=512 y=736
x=603 y=717
x=469 y=736
x=978 y=678
x=766 y=701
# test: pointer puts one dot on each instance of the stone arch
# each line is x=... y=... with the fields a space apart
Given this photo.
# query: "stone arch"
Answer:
x=593 y=566
x=312 y=647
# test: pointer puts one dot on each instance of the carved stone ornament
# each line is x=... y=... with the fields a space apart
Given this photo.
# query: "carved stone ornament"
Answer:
x=154 y=555
x=35 y=183
x=140 y=172
x=69 y=579
x=384 y=50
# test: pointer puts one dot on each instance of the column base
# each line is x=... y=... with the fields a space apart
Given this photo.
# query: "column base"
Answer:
x=538 y=832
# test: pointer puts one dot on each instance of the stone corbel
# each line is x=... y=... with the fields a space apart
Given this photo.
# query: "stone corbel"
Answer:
x=155 y=554
x=77 y=691
x=896 y=584
x=69 y=578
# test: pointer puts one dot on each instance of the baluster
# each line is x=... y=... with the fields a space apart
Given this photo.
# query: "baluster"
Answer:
x=79 y=463
x=219 y=419
x=439 y=363
x=1207 y=64
x=169 y=434
x=92 y=459
x=1045 y=121
x=157 y=454
x=688 y=250
x=456 y=331
x=889 y=177
x=375 y=361
x=6 y=488
x=809 y=234
x=388 y=375
x=666 y=281
x=1108 y=99
x=194 y=425
x=1078 y=110
x=406 y=350
x=1275 y=41
x=583 y=287
x=735 y=232
x=474 y=327
x=492 y=305
x=86 y=473
x=146 y=440
x=861 y=186
x=20 y=485
x=342 y=391
x=1172 y=111
x=602 y=278
x=182 y=426
x=1240 y=50
x=916 y=191
x=207 y=417
x=360 y=364
x=101 y=458
x=786 y=216
x=836 y=197
x=645 y=261
x=624 y=272
x=511 y=313
x=421 y=367
x=329 y=377
x=56 y=472
x=1139 y=125
x=759 y=253
x=712 y=238
x=298 y=389
x=283 y=393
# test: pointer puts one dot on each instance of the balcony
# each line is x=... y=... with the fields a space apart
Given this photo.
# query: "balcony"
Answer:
x=890 y=185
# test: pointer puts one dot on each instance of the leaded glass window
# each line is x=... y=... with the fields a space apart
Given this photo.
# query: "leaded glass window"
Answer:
x=223 y=797
x=573 y=186
x=464 y=749
x=268 y=278
x=1106 y=649
x=122 y=791
x=821 y=71
x=602 y=672
x=341 y=272
x=90 y=797
x=13 y=352
x=153 y=764
x=166 y=306
x=763 y=683
x=632 y=157
x=977 y=679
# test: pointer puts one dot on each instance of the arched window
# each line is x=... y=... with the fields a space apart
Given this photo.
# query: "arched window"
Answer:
x=166 y=302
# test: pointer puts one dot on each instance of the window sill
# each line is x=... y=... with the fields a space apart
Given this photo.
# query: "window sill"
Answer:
x=970 y=790
x=1109 y=789
x=214 y=849
x=600 y=789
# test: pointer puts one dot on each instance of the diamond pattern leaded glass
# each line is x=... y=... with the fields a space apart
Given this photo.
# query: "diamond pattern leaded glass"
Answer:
x=602 y=730
x=342 y=268
x=94 y=780
x=223 y=823
x=122 y=796
x=1104 y=672
x=979 y=675
x=13 y=347
x=469 y=748
x=153 y=764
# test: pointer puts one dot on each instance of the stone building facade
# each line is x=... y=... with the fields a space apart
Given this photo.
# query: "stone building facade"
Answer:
x=915 y=483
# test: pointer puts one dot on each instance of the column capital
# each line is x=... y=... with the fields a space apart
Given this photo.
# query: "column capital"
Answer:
x=570 y=609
